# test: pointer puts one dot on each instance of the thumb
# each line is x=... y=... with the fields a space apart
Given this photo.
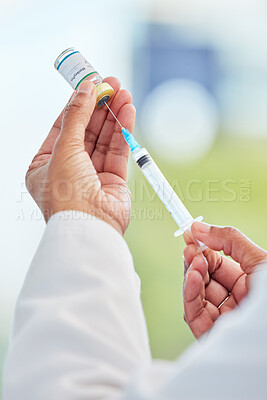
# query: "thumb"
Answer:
x=77 y=114
x=232 y=242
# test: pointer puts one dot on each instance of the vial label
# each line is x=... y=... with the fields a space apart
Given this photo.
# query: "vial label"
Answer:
x=75 y=68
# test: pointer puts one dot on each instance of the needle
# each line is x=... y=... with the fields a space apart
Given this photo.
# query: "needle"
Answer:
x=114 y=116
x=130 y=140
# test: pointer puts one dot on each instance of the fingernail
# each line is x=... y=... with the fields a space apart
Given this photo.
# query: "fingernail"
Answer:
x=185 y=263
x=86 y=87
x=186 y=274
x=201 y=227
x=189 y=269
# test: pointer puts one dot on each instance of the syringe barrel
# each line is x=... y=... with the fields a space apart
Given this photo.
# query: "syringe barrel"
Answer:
x=162 y=187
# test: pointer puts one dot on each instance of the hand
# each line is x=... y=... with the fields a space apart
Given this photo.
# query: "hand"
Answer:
x=214 y=284
x=82 y=164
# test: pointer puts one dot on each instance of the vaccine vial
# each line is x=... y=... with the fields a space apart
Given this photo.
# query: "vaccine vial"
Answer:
x=75 y=68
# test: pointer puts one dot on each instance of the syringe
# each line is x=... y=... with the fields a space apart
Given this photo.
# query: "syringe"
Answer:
x=161 y=186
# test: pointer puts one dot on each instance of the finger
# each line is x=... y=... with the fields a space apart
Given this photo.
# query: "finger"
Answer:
x=240 y=289
x=217 y=290
x=225 y=271
x=98 y=118
x=197 y=317
x=194 y=276
x=232 y=242
x=222 y=269
x=216 y=293
x=190 y=252
x=212 y=310
x=228 y=305
x=192 y=294
x=77 y=115
x=188 y=238
x=116 y=85
x=122 y=98
x=192 y=287
x=226 y=276
x=116 y=160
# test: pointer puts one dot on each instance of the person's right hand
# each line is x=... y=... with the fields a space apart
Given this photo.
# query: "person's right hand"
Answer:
x=215 y=284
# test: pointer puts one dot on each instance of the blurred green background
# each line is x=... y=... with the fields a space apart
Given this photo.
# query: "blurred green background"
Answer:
x=198 y=74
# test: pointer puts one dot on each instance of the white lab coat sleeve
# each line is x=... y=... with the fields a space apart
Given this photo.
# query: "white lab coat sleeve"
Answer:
x=79 y=329
x=228 y=363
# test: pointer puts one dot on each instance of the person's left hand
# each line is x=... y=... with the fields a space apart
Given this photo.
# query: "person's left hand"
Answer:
x=82 y=164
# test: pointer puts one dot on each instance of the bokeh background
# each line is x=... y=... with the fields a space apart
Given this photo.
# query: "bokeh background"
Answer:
x=198 y=74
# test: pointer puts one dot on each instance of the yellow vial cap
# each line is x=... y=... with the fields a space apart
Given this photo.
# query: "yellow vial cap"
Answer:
x=104 y=93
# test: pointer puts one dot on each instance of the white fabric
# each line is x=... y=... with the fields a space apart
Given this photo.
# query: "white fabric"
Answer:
x=79 y=331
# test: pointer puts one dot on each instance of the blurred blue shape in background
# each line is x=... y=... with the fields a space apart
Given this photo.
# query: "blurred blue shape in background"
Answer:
x=175 y=89
x=166 y=53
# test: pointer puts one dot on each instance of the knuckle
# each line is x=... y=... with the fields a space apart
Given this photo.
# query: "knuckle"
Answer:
x=233 y=241
x=73 y=105
x=230 y=236
x=231 y=232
